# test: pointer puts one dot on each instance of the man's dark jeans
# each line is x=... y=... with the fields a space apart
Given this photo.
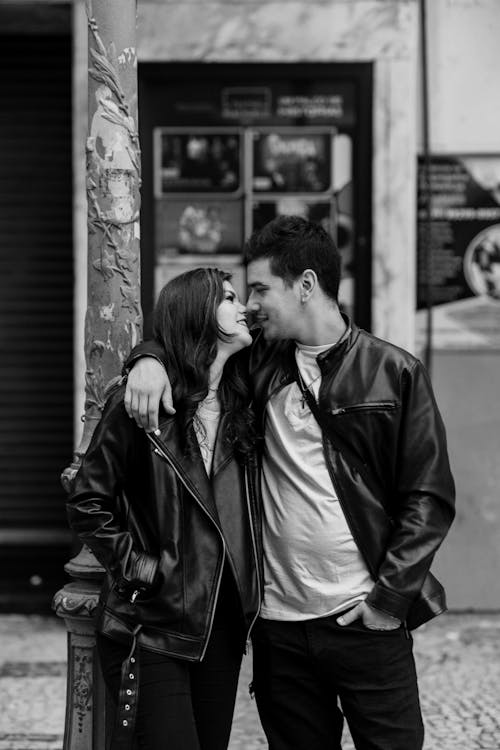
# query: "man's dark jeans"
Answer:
x=301 y=668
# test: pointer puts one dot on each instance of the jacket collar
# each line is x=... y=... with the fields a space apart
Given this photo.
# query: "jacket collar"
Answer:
x=338 y=351
x=223 y=451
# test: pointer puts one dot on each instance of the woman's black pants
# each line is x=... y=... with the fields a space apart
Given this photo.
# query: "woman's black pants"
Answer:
x=184 y=705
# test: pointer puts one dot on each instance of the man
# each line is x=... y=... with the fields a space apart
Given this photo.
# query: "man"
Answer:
x=357 y=497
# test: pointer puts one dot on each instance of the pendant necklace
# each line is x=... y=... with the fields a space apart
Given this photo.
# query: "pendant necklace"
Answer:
x=304 y=387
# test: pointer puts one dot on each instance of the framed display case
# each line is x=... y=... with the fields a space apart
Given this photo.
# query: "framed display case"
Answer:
x=197 y=160
x=292 y=160
x=226 y=148
x=198 y=225
x=214 y=186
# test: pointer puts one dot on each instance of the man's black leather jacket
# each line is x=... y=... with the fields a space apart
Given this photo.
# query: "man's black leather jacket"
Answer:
x=385 y=448
x=164 y=532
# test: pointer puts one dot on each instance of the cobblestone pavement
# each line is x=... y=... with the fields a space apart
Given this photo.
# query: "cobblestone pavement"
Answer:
x=458 y=664
x=458 y=661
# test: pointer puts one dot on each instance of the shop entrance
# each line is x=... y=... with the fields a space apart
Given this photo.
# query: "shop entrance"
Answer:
x=227 y=147
x=36 y=304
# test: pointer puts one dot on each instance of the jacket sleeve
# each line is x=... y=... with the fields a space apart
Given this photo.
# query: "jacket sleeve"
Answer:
x=150 y=348
x=95 y=505
x=424 y=498
x=153 y=348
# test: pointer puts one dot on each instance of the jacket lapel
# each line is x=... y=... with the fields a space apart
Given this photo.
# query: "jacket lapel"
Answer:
x=223 y=451
x=191 y=469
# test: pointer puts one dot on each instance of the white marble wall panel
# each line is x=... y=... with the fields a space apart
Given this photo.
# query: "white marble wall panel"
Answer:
x=464 y=63
x=284 y=30
x=394 y=202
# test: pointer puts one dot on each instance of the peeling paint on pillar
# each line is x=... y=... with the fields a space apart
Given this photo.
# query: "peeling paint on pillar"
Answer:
x=113 y=322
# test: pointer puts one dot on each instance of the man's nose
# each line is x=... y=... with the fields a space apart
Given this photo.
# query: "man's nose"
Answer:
x=252 y=305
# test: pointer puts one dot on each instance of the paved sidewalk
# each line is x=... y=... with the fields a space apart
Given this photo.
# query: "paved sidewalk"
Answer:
x=458 y=661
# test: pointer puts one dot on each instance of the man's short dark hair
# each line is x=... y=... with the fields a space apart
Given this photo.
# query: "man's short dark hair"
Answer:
x=293 y=244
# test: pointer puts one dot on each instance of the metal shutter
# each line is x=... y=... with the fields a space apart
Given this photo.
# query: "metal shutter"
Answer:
x=36 y=292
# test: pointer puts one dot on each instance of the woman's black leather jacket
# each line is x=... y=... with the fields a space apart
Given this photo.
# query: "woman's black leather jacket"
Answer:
x=385 y=448
x=163 y=531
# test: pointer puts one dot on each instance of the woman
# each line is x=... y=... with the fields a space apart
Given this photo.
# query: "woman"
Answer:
x=173 y=518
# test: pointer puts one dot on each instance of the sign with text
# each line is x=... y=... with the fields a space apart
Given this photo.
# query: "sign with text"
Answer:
x=464 y=247
x=246 y=102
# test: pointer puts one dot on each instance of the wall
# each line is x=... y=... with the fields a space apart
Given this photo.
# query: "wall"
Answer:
x=464 y=74
x=467 y=387
x=464 y=71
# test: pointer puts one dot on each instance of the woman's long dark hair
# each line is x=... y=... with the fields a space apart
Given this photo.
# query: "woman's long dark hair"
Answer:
x=185 y=324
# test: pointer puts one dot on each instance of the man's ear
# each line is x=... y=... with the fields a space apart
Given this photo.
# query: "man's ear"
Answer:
x=308 y=283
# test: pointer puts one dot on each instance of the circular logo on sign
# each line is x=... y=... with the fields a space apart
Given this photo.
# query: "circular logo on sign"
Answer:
x=482 y=263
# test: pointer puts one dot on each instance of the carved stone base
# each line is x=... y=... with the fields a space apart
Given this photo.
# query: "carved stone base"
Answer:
x=86 y=709
x=76 y=603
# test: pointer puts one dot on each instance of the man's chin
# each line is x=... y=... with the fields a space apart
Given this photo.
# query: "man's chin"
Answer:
x=267 y=331
x=269 y=334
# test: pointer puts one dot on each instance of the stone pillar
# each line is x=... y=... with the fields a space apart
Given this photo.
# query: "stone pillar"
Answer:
x=113 y=322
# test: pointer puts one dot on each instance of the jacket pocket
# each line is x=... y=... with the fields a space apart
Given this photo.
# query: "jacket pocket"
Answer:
x=367 y=406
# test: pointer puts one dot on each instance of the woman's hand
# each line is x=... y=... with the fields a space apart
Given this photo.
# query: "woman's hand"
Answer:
x=147 y=385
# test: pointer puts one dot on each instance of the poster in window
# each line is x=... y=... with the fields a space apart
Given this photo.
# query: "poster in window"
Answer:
x=197 y=226
x=464 y=250
x=199 y=161
x=296 y=162
x=318 y=211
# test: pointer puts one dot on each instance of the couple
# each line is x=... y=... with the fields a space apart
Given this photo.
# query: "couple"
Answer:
x=357 y=496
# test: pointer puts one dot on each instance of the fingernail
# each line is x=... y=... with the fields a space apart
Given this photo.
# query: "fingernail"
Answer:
x=157 y=431
x=341 y=621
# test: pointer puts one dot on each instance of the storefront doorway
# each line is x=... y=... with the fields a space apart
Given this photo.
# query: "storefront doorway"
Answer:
x=227 y=147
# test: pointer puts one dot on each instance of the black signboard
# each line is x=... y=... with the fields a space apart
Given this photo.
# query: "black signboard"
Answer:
x=244 y=103
x=465 y=229
x=283 y=102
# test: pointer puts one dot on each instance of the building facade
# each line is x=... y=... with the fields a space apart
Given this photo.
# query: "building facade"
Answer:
x=248 y=109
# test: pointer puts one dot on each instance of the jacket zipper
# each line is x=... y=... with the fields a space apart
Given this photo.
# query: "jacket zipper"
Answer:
x=255 y=552
x=160 y=451
x=363 y=407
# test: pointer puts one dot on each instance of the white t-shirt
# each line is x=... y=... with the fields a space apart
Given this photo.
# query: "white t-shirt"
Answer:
x=312 y=565
x=206 y=423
